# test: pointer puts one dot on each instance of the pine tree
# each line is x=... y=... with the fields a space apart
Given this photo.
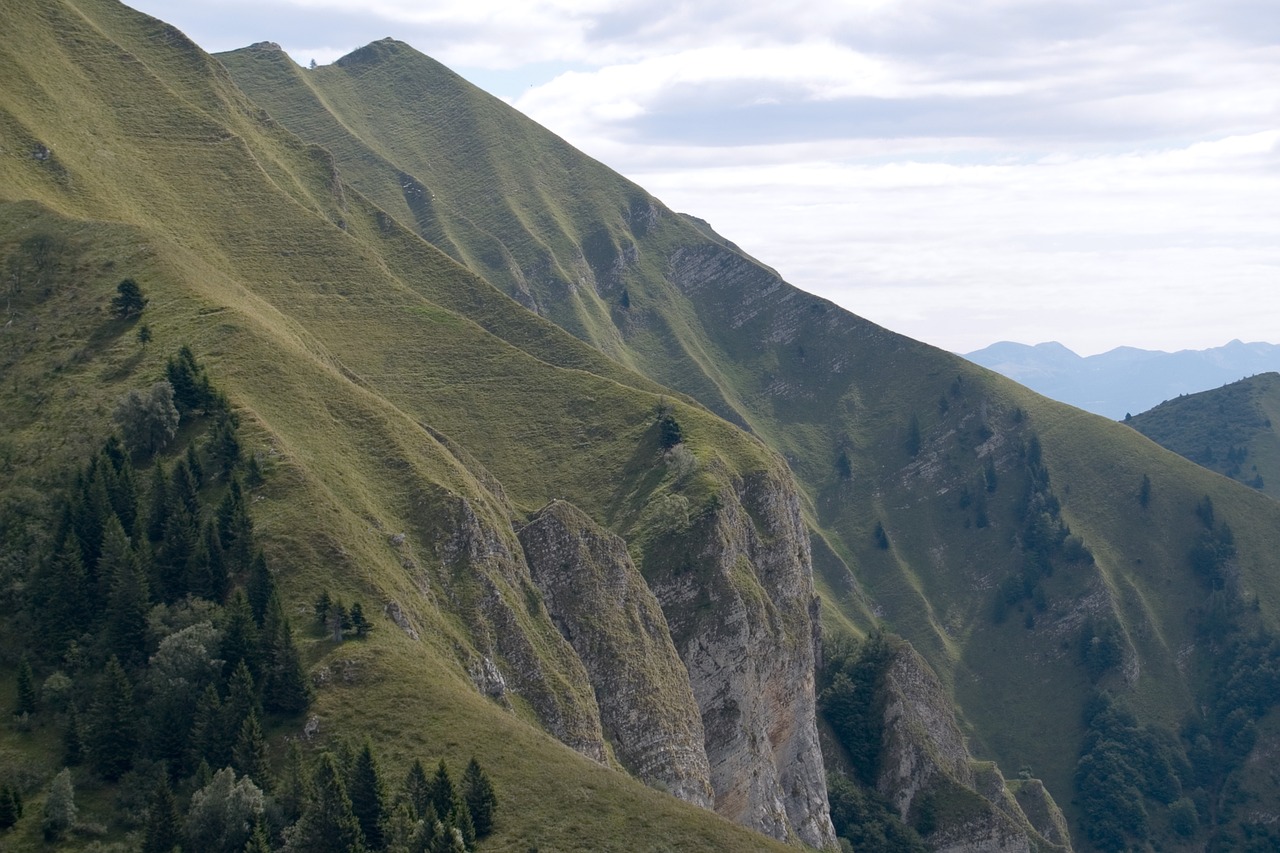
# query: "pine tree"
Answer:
x=241 y=703
x=260 y=587
x=239 y=635
x=194 y=466
x=113 y=724
x=368 y=796
x=417 y=789
x=235 y=529
x=249 y=756
x=358 y=622
x=128 y=301
x=73 y=739
x=477 y=790
x=285 y=688
x=291 y=792
x=60 y=596
x=208 y=738
x=323 y=605
x=10 y=806
x=157 y=503
x=208 y=576
x=163 y=831
x=224 y=446
x=128 y=601
x=328 y=824
x=443 y=793
x=26 y=703
x=259 y=841
x=59 y=807
x=460 y=819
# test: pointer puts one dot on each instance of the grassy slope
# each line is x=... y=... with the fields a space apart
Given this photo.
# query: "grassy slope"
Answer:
x=334 y=343
x=812 y=381
x=1211 y=426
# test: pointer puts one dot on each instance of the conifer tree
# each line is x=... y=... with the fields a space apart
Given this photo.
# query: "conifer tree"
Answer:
x=478 y=792
x=128 y=600
x=460 y=819
x=224 y=446
x=163 y=828
x=113 y=724
x=443 y=792
x=259 y=588
x=259 y=841
x=59 y=597
x=10 y=806
x=358 y=622
x=208 y=737
x=417 y=789
x=328 y=824
x=239 y=635
x=157 y=503
x=26 y=703
x=73 y=739
x=208 y=577
x=241 y=703
x=235 y=528
x=285 y=687
x=291 y=792
x=175 y=553
x=368 y=796
x=194 y=466
x=249 y=756
x=402 y=829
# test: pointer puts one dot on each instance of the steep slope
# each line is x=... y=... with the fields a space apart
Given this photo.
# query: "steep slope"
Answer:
x=410 y=413
x=1125 y=380
x=1227 y=429
x=999 y=532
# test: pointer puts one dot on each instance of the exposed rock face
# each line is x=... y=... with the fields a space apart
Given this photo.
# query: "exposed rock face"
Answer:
x=925 y=765
x=496 y=594
x=602 y=606
x=737 y=588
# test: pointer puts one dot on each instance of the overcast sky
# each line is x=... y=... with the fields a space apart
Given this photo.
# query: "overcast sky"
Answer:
x=1095 y=172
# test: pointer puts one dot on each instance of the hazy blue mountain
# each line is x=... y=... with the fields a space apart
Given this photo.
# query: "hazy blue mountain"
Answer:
x=1126 y=379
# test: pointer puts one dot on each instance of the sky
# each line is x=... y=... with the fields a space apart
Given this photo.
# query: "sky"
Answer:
x=1094 y=172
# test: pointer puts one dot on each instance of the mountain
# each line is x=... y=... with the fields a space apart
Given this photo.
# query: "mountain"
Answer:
x=1124 y=380
x=1227 y=430
x=632 y=514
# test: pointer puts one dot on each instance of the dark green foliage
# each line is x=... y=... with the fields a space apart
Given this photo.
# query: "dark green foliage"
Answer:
x=60 y=597
x=912 y=441
x=207 y=572
x=224 y=445
x=853 y=702
x=26 y=703
x=359 y=624
x=1183 y=818
x=223 y=813
x=989 y=477
x=113 y=724
x=368 y=796
x=328 y=823
x=1101 y=648
x=10 y=806
x=867 y=820
x=249 y=755
x=192 y=390
x=128 y=301
x=128 y=601
x=882 y=538
x=239 y=636
x=481 y=800
x=1123 y=767
x=72 y=739
x=259 y=588
x=443 y=795
x=322 y=607
x=143 y=335
x=163 y=829
x=844 y=468
x=147 y=421
x=286 y=689
x=417 y=789
x=670 y=432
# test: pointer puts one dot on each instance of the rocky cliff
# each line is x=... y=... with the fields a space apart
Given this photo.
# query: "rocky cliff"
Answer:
x=600 y=603
x=737 y=589
x=959 y=805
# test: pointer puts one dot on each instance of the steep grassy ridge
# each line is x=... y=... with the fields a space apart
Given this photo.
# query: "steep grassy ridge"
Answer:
x=878 y=429
x=371 y=373
x=1227 y=429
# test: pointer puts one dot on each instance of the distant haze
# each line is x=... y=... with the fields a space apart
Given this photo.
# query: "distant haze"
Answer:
x=1099 y=174
x=1125 y=380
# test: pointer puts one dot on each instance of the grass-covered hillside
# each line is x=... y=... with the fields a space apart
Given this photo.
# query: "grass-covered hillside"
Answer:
x=1009 y=538
x=1227 y=430
x=429 y=319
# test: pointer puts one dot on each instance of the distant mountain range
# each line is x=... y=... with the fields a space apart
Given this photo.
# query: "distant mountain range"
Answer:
x=1124 y=380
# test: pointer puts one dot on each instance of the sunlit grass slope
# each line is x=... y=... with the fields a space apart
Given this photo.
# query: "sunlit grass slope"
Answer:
x=879 y=429
x=380 y=382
